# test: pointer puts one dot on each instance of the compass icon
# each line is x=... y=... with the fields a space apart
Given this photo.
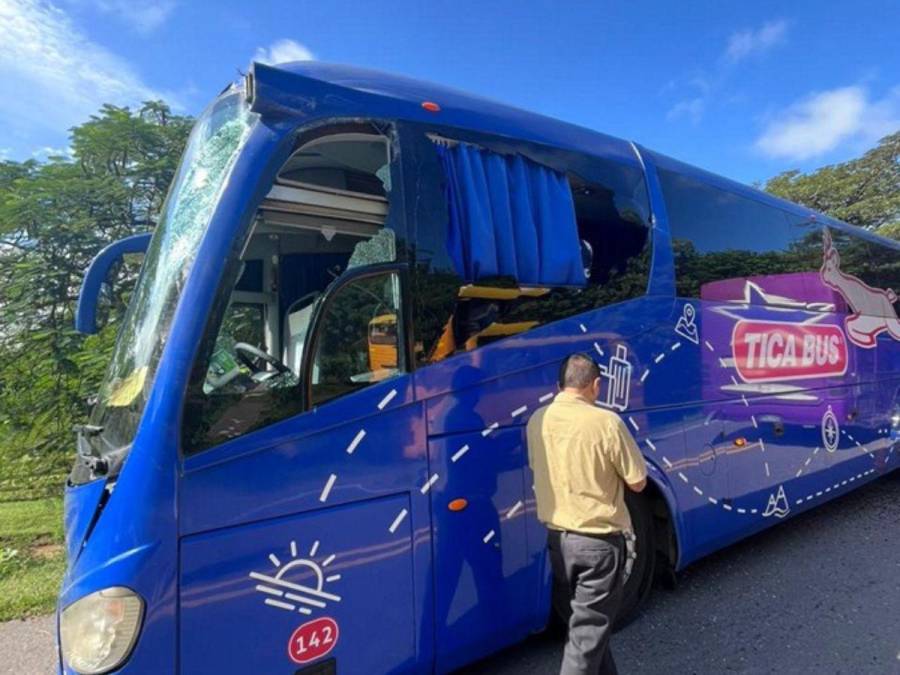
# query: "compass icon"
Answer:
x=831 y=430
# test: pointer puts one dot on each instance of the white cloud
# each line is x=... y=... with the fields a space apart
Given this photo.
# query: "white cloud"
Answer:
x=747 y=42
x=145 y=16
x=825 y=120
x=283 y=51
x=49 y=151
x=692 y=109
x=53 y=77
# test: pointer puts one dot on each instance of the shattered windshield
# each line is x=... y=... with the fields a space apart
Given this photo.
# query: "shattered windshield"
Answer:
x=214 y=143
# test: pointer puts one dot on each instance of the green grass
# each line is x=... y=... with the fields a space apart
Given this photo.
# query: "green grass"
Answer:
x=32 y=558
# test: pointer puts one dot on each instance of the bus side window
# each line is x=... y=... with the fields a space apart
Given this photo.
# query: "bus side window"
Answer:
x=358 y=338
x=612 y=213
x=721 y=239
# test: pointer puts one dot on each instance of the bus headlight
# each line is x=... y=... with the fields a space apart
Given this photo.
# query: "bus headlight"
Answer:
x=98 y=631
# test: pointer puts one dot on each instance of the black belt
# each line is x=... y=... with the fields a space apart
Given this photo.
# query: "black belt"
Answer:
x=609 y=536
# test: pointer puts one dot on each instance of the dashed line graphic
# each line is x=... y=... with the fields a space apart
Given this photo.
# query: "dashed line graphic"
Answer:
x=397 y=521
x=327 y=489
x=387 y=399
x=459 y=453
x=429 y=483
x=521 y=410
x=361 y=434
x=491 y=428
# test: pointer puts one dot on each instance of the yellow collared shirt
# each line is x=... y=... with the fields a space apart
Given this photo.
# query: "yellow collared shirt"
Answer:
x=582 y=456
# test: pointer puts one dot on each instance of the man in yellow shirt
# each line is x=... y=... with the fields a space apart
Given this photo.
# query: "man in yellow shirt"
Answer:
x=584 y=458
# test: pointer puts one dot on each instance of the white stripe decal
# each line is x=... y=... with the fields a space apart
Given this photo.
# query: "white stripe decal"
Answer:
x=487 y=431
x=361 y=434
x=515 y=509
x=397 y=521
x=387 y=399
x=459 y=453
x=546 y=397
x=327 y=489
x=519 y=411
x=431 y=481
x=488 y=536
x=633 y=423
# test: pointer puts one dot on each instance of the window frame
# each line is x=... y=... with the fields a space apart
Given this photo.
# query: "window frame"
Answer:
x=404 y=324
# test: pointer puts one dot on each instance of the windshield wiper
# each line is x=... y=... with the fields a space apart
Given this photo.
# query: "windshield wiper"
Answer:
x=87 y=454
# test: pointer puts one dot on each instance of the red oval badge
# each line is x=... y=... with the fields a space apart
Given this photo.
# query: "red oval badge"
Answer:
x=313 y=640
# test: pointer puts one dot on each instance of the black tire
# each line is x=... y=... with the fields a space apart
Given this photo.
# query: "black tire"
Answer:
x=639 y=584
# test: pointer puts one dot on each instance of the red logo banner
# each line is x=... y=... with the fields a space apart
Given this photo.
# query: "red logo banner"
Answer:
x=768 y=351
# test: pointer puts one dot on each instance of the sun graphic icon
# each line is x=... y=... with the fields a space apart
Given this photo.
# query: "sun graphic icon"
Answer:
x=300 y=597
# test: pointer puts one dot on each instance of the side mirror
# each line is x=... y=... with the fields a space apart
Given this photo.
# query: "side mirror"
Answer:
x=86 y=312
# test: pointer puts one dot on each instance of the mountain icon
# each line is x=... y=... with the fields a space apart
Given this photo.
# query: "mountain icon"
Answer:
x=778 y=504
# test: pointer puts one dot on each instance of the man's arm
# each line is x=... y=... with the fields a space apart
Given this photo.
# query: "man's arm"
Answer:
x=629 y=460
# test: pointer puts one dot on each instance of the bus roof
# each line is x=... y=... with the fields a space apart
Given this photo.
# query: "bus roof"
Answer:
x=305 y=86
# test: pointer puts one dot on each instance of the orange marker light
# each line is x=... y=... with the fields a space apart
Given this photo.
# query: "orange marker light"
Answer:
x=740 y=442
x=458 y=504
x=431 y=106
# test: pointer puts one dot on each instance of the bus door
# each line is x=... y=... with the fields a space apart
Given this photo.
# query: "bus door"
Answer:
x=485 y=581
x=305 y=541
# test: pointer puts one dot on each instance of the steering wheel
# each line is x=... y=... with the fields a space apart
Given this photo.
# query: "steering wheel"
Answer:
x=247 y=354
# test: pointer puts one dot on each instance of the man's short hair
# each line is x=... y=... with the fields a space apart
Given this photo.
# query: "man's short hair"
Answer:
x=578 y=371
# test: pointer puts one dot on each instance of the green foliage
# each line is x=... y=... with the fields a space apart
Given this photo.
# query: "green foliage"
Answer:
x=863 y=191
x=54 y=217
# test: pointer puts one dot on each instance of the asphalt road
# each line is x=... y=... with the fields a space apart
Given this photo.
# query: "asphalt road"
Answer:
x=817 y=594
x=27 y=647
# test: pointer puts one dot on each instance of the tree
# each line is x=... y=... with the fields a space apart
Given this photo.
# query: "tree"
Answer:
x=54 y=217
x=863 y=191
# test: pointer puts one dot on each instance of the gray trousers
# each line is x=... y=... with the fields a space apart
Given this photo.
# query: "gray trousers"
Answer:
x=588 y=571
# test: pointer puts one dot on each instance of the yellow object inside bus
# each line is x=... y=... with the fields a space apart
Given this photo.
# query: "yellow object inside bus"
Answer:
x=383 y=343
x=383 y=328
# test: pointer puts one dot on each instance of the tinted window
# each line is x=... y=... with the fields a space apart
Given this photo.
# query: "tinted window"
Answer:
x=876 y=265
x=720 y=236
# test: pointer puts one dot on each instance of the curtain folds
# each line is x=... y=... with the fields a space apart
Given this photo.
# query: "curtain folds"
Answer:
x=510 y=217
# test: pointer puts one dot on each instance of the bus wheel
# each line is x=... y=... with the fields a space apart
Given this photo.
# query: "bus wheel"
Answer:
x=638 y=586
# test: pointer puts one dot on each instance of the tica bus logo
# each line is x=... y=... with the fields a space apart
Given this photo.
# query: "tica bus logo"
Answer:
x=766 y=351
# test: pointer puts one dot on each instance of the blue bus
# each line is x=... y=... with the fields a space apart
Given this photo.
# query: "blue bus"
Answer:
x=308 y=452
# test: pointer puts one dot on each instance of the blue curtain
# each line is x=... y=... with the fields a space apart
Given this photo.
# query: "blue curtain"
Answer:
x=510 y=217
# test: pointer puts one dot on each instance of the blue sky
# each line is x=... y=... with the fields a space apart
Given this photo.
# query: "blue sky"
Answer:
x=746 y=89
